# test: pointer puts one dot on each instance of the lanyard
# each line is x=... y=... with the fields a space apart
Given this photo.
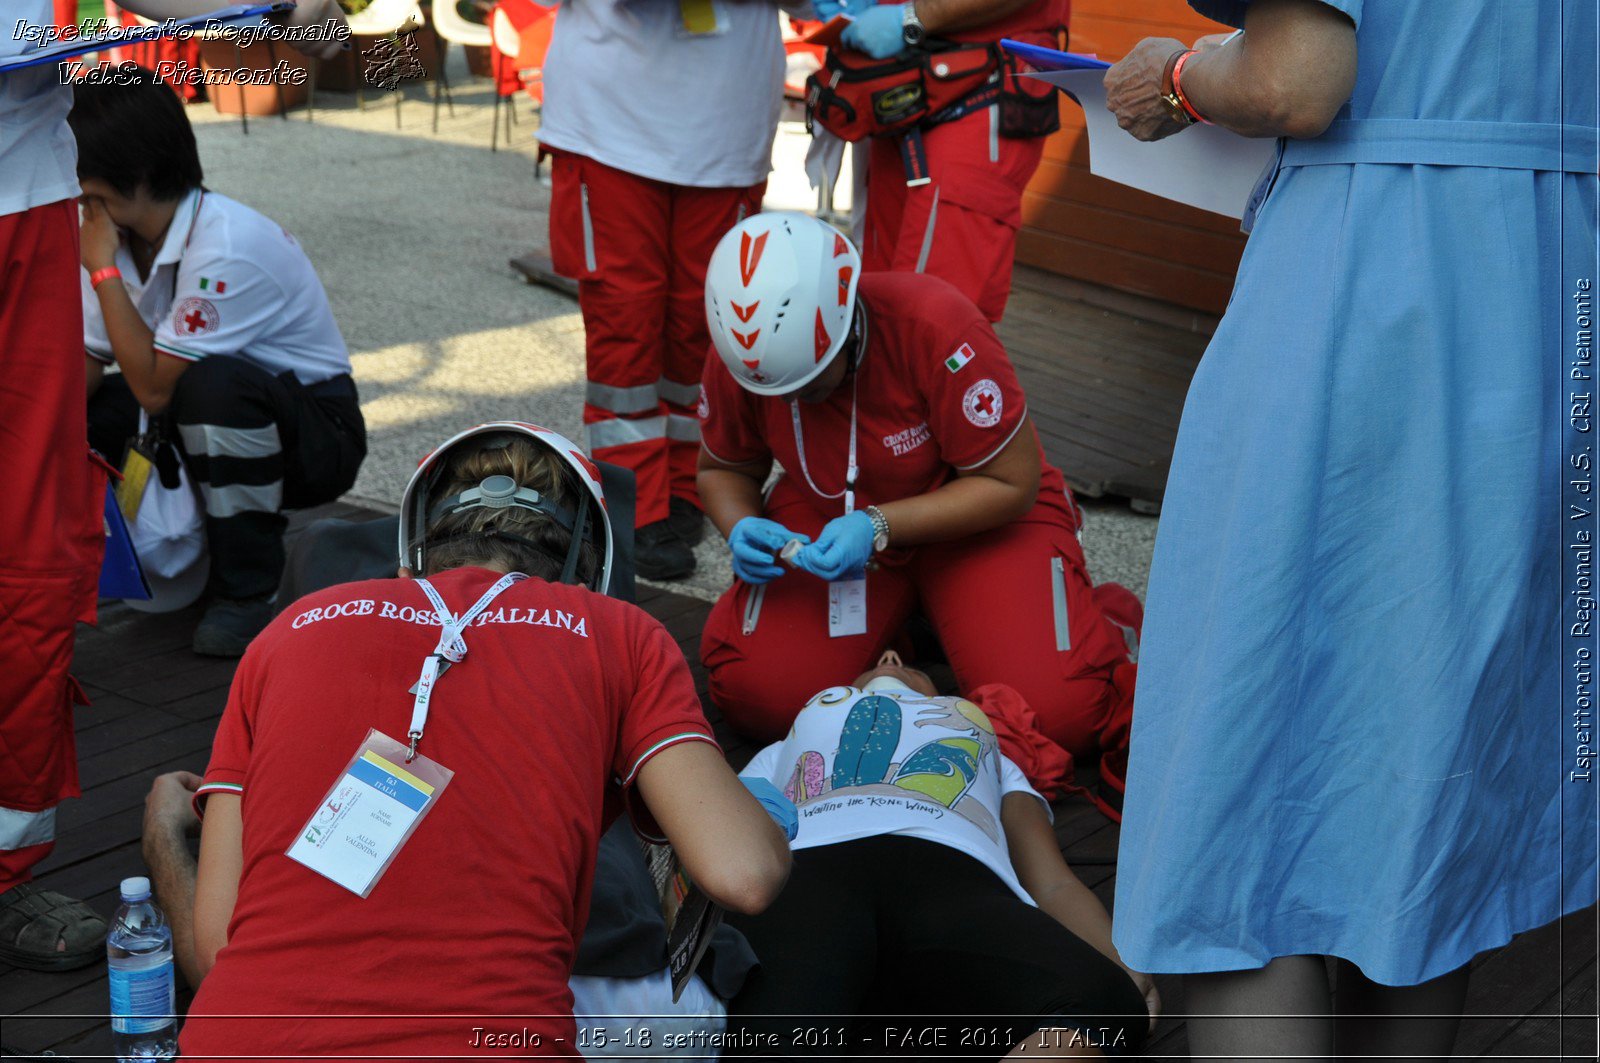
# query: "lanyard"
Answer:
x=450 y=650
x=851 y=471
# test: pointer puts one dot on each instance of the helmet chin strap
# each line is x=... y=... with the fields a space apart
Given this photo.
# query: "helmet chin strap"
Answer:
x=569 y=571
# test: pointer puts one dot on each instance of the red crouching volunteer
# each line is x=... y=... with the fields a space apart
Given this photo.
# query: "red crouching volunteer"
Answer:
x=660 y=118
x=408 y=786
x=52 y=505
x=961 y=224
x=907 y=452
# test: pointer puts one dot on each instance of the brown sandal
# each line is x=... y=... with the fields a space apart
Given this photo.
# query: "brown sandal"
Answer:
x=43 y=930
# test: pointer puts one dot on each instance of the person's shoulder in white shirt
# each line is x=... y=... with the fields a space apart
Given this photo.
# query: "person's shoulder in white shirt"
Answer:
x=245 y=287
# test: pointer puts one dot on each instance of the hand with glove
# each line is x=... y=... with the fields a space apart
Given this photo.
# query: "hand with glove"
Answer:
x=879 y=31
x=842 y=550
x=754 y=543
x=779 y=807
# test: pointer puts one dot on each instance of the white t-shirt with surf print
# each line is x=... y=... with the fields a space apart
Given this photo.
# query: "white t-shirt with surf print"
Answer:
x=887 y=760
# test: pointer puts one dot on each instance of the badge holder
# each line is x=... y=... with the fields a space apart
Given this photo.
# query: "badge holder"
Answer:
x=369 y=813
x=701 y=18
x=847 y=607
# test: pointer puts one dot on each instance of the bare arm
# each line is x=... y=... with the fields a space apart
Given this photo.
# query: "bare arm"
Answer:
x=151 y=376
x=726 y=840
x=217 y=885
x=169 y=821
x=977 y=500
x=1036 y=857
x=1287 y=75
x=948 y=16
x=730 y=492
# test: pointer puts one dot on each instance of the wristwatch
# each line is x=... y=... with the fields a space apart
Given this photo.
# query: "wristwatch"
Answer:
x=880 y=528
x=912 y=31
x=1169 y=95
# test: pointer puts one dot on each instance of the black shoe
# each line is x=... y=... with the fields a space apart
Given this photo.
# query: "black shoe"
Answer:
x=228 y=626
x=42 y=930
x=686 y=519
x=659 y=554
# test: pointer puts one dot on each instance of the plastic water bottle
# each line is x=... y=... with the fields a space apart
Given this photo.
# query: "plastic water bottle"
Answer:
x=139 y=962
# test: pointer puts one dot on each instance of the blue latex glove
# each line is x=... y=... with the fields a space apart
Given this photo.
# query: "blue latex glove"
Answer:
x=842 y=550
x=779 y=807
x=755 y=543
x=879 y=31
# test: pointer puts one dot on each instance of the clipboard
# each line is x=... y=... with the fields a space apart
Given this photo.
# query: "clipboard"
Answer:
x=1041 y=58
x=121 y=575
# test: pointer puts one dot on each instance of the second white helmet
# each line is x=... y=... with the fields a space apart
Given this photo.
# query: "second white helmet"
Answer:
x=780 y=295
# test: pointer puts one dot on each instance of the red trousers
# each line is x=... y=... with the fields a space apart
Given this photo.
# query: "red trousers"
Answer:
x=961 y=225
x=638 y=249
x=51 y=516
x=1013 y=605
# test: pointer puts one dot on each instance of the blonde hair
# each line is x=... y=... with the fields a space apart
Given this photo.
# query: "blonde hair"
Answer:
x=469 y=537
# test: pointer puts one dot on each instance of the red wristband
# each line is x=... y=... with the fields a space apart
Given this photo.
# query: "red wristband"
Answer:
x=101 y=275
x=1177 y=89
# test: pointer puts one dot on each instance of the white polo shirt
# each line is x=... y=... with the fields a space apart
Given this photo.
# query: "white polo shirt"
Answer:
x=38 y=156
x=228 y=281
x=627 y=85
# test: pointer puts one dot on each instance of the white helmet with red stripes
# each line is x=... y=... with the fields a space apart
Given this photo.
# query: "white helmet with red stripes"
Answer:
x=421 y=505
x=780 y=296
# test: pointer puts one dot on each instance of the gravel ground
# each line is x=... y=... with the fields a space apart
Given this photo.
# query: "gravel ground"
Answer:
x=411 y=233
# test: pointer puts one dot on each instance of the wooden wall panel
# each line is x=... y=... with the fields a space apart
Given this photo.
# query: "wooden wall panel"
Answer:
x=1082 y=226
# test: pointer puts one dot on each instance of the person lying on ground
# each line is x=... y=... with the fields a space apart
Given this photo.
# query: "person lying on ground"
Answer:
x=927 y=881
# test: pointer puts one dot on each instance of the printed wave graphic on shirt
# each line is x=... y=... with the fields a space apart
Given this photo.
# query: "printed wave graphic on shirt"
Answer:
x=941 y=771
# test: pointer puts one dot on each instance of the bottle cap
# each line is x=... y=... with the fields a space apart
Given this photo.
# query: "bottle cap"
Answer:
x=136 y=888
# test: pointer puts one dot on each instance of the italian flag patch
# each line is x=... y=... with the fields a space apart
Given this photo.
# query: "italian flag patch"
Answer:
x=209 y=285
x=956 y=361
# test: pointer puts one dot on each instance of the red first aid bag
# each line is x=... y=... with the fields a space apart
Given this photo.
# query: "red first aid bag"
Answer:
x=855 y=96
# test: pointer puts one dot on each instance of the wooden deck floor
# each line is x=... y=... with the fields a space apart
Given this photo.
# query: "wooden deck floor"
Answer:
x=156 y=708
x=1105 y=389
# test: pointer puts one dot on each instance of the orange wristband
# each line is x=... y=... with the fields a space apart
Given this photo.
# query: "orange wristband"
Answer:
x=1177 y=89
x=99 y=276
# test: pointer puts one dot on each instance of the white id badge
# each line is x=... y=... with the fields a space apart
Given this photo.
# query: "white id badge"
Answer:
x=847 y=607
x=369 y=813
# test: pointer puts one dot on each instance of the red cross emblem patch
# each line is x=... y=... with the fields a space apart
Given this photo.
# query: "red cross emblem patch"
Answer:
x=982 y=403
x=194 y=316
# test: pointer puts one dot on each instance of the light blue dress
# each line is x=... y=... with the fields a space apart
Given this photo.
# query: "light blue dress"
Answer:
x=1363 y=710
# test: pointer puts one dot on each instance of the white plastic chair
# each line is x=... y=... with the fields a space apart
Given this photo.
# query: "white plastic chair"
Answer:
x=448 y=25
x=382 y=18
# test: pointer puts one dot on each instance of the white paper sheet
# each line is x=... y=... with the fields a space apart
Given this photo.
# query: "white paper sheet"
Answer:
x=1204 y=166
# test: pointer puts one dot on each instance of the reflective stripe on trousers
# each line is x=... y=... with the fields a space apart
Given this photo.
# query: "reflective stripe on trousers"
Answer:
x=621 y=432
x=641 y=398
x=19 y=829
x=250 y=444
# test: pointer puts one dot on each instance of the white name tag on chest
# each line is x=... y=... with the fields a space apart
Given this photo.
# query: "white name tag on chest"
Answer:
x=847 y=607
x=368 y=814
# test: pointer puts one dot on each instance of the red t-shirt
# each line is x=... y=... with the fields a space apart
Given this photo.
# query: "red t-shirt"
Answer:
x=562 y=696
x=937 y=394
